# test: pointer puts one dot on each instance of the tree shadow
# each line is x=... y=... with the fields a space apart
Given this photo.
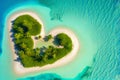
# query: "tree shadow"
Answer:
x=13 y=40
x=45 y=38
x=17 y=59
x=42 y=50
x=36 y=38
x=56 y=41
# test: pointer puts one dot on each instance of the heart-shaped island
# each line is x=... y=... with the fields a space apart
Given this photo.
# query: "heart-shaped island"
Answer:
x=32 y=49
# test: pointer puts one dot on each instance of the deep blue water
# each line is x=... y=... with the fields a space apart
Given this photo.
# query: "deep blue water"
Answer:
x=103 y=14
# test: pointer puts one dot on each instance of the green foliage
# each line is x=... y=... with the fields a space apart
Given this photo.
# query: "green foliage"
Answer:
x=26 y=60
x=28 y=24
x=64 y=40
x=47 y=38
x=37 y=52
x=17 y=35
x=24 y=43
x=23 y=28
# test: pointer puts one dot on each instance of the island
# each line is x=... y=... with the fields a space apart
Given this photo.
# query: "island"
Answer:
x=26 y=26
x=26 y=34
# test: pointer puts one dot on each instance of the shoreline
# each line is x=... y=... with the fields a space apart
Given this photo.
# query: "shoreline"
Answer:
x=19 y=69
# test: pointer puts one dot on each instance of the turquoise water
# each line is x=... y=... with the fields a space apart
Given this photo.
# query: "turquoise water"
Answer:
x=95 y=23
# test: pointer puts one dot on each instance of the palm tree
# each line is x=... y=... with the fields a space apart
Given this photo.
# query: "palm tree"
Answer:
x=39 y=36
x=23 y=45
x=28 y=51
x=27 y=34
x=20 y=30
x=17 y=35
x=21 y=53
x=37 y=52
x=54 y=55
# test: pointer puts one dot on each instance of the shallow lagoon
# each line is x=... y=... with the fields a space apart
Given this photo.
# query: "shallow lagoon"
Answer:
x=96 y=25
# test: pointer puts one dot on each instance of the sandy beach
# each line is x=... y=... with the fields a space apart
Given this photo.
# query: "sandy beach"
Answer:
x=19 y=69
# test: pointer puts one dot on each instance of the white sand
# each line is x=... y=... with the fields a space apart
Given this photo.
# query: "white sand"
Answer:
x=20 y=70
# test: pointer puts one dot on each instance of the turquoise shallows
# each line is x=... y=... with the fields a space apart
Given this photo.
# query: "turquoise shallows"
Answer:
x=95 y=23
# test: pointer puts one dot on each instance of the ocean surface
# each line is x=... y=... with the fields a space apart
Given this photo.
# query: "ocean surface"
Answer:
x=96 y=23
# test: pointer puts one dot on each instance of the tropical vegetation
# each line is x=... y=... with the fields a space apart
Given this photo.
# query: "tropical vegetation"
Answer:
x=26 y=26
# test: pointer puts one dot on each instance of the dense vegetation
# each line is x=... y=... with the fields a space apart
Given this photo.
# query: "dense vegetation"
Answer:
x=23 y=28
x=27 y=24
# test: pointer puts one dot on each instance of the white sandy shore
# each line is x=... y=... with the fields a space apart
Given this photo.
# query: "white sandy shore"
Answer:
x=20 y=70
